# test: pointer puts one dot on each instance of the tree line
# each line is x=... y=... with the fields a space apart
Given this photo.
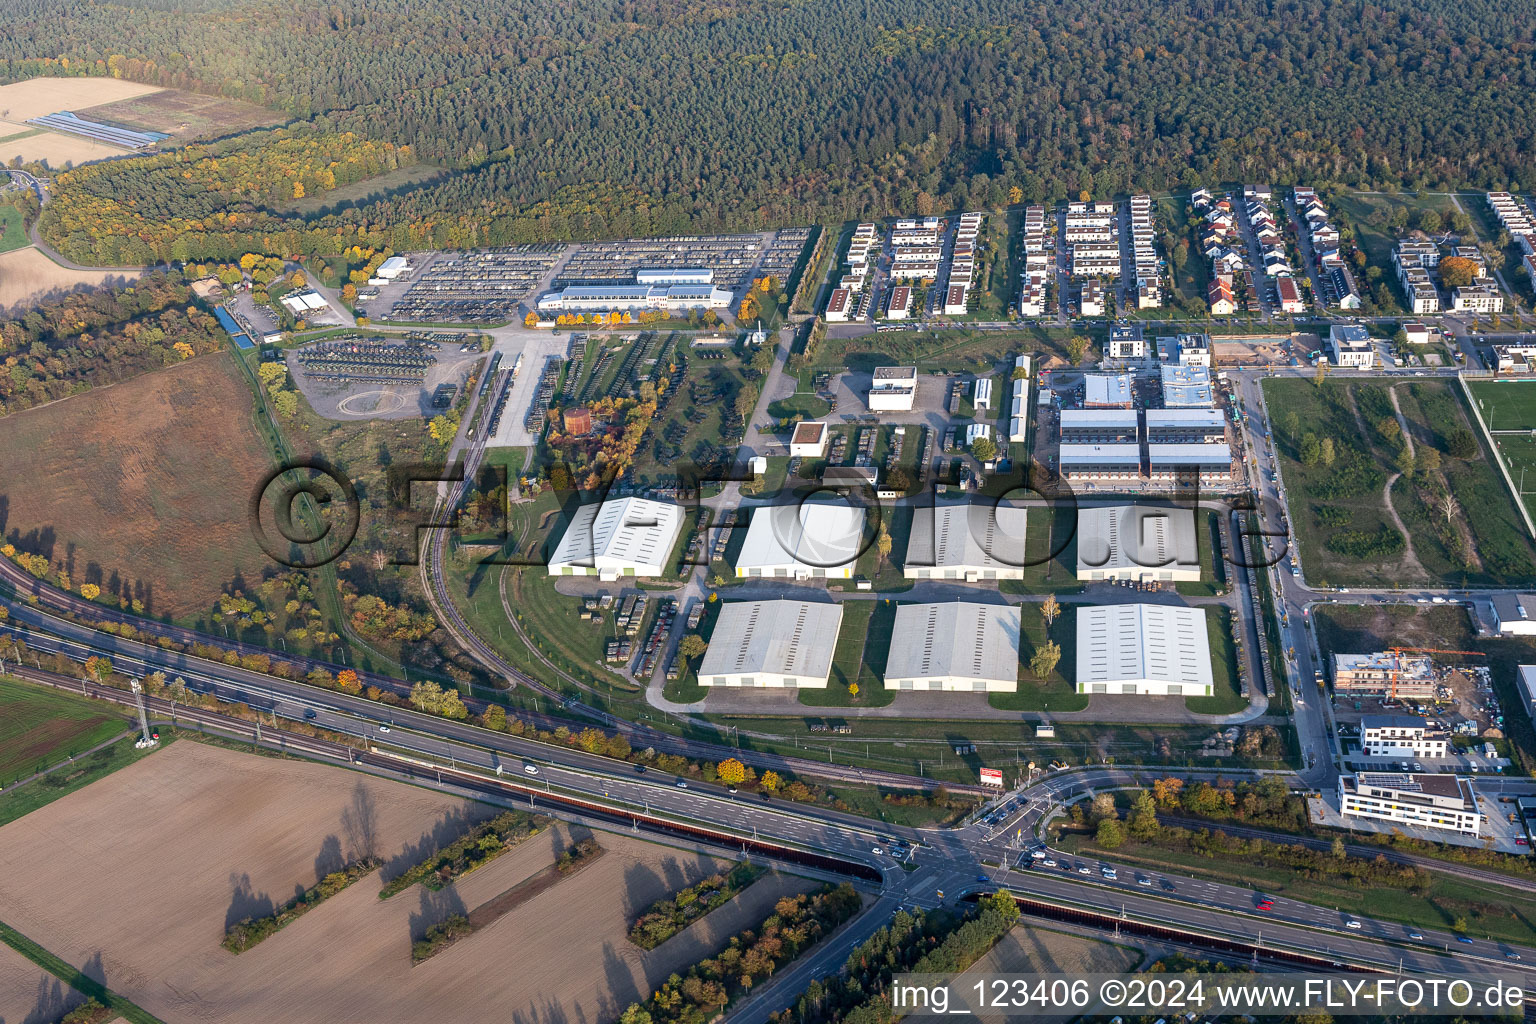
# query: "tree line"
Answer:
x=610 y=117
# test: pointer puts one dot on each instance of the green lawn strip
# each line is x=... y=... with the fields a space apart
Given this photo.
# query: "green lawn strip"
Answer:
x=1050 y=553
x=1213 y=569
x=23 y=800
x=1059 y=687
x=482 y=843
x=74 y=978
x=41 y=727
x=246 y=933
x=858 y=647
x=1225 y=698
x=666 y=917
x=1440 y=902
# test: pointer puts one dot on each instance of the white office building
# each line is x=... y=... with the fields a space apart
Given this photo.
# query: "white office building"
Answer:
x=972 y=542
x=1137 y=542
x=811 y=540
x=1155 y=649
x=772 y=644
x=1515 y=614
x=955 y=646
x=619 y=537
x=892 y=389
x=1400 y=736
x=1443 y=802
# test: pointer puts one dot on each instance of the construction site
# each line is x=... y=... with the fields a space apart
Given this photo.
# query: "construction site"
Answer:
x=1449 y=688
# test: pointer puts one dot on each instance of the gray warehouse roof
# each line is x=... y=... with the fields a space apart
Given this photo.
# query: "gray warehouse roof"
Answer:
x=955 y=640
x=793 y=638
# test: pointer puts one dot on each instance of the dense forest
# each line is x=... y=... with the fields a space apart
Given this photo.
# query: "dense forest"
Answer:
x=739 y=113
x=95 y=338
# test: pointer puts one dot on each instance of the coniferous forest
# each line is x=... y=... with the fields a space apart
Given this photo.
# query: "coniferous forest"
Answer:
x=573 y=118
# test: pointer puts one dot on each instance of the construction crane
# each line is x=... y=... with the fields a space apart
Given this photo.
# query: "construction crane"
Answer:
x=1396 y=670
x=138 y=698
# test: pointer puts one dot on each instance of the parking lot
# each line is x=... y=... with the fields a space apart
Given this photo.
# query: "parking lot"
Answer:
x=374 y=378
x=735 y=259
x=480 y=286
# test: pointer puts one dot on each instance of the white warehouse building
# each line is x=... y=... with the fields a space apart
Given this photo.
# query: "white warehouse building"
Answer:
x=955 y=646
x=619 y=537
x=811 y=540
x=1138 y=543
x=971 y=542
x=621 y=297
x=772 y=644
x=1155 y=649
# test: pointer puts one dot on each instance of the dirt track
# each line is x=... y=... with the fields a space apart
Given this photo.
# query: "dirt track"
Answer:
x=147 y=865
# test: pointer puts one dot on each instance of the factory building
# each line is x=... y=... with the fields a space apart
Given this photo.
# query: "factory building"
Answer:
x=1107 y=391
x=1186 y=426
x=1155 y=649
x=619 y=537
x=1137 y=542
x=1101 y=464
x=811 y=540
x=809 y=441
x=1515 y=614
x=772 y=644
x=1098 y=426
x=954 y=646
x=971 y=542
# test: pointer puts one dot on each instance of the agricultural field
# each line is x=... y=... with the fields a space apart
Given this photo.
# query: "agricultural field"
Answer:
x=40 y=727
x=186 y=116
x=58 y=150
x=1036 y=950
x=29 y=993
x=1348 y=533
x=38 y=96
x=146 y=486
x=27 y=278
x=241 y=827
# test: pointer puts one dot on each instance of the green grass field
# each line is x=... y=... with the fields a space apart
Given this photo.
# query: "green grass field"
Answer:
x=1506 y=404
x=1332 y=504
x=13 y=231
x=15 y=803
x=1519 y=454
x=39 y=727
